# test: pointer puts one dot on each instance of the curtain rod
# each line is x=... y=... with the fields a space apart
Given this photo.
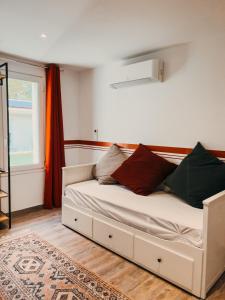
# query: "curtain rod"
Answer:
x=23 y=62
x=43 y=66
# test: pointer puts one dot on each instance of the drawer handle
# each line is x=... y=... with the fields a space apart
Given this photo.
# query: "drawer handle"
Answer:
x=159 y=260
x=75 y=219
x=110 y=236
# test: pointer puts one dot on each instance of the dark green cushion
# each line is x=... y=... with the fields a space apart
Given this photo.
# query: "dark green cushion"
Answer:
x=199 y=176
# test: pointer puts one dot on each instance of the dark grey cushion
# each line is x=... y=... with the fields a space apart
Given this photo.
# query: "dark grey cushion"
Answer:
x=199 y=176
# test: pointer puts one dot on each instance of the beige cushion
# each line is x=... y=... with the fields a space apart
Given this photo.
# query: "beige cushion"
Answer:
x=111 y=161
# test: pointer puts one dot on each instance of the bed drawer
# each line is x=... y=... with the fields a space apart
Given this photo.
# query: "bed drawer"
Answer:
x=115 y=238
x=171 y=265
x=77 y=220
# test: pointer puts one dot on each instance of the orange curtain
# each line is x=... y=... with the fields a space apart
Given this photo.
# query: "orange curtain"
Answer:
x=54 y=144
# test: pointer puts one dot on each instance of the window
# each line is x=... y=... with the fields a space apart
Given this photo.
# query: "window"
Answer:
x=25 y=118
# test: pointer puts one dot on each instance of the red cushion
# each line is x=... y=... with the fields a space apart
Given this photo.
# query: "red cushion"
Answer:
x=143 y=171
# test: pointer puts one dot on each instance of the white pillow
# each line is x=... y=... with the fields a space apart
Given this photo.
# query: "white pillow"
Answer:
x=109 y=163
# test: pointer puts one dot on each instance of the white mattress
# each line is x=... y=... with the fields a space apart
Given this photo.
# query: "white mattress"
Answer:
x=160 y=214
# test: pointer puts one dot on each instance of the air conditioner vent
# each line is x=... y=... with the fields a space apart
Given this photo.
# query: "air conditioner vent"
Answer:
x=137 y=73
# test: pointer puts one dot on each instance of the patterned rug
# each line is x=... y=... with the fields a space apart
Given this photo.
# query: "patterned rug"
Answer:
x=33 y=269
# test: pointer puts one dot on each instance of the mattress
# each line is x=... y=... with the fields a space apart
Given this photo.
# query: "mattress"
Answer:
x=160 y=214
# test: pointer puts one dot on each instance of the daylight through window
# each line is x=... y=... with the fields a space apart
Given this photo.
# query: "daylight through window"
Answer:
x=24 y=122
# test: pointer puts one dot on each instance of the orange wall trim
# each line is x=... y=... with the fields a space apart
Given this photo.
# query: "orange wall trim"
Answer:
x=166 y=149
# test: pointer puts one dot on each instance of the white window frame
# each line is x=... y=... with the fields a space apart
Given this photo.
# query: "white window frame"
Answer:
x=41 y=91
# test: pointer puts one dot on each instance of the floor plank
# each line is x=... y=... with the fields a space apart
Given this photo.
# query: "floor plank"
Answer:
x=134 y=281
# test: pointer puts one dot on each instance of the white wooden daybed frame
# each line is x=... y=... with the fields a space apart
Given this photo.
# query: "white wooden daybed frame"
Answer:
x=191 y=268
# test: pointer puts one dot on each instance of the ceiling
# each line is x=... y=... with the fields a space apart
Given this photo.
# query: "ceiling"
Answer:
x=92 y=32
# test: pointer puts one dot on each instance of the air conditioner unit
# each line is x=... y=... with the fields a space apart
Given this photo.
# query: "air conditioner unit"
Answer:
x=137 y=73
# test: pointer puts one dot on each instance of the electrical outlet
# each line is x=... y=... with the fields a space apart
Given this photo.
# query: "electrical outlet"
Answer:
x=96 y=134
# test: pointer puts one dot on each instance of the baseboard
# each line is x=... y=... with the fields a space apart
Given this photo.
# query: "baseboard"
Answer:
x=214 y=280
x=26 y=210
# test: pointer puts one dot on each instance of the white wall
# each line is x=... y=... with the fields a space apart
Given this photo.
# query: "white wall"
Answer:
x=27 y=189
x=70 y=107
x=70 y=96
x=188 y=106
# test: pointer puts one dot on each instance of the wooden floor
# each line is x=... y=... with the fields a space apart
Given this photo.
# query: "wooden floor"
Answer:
x=126 y=276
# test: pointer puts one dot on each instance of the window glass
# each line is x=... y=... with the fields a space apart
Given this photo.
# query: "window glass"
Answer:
x=24 y=122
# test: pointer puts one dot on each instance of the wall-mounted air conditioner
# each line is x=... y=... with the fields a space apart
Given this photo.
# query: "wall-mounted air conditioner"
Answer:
x=137 y=73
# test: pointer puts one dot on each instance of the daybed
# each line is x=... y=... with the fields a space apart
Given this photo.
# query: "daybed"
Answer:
x=159 y=232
